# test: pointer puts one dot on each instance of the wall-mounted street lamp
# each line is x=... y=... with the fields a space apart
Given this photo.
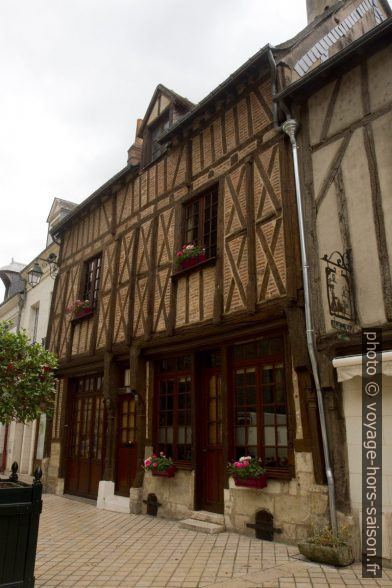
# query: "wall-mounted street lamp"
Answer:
x=36 y=273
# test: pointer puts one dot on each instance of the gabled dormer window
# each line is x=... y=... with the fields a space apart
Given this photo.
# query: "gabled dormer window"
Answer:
x=165 y=108
x=155 y=131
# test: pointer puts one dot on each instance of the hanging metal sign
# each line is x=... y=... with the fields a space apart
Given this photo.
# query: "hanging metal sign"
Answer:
x=339 y=291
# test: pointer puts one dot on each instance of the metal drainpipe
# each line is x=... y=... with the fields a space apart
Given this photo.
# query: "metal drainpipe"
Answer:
x=290 y=127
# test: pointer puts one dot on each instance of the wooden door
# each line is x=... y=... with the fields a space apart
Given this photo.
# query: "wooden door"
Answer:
x=126 y=444
x=85 y=442
x=211 y=459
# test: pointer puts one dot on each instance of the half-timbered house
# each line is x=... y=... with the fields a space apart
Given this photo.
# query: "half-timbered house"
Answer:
x=206 y=362
x=343 y=109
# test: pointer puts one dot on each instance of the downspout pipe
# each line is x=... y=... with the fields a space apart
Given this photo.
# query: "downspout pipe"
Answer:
x=290 y=127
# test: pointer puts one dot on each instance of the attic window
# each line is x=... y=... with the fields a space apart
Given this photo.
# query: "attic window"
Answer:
x=155 y=149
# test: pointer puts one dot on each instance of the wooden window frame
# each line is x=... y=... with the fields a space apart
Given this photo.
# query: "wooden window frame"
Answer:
x=212 y=245
x=200 y=239
x=284 y=472
x=148 y=156
x=91 y=286
x=173 y=375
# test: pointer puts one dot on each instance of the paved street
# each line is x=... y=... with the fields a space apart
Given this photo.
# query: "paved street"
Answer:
x=82 y=546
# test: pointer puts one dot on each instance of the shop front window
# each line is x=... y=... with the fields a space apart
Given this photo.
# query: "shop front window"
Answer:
x=260 y=402
x=173 y=430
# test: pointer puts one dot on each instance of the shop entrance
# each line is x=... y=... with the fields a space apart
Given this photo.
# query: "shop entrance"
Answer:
x=210 y=458
x=85 y=439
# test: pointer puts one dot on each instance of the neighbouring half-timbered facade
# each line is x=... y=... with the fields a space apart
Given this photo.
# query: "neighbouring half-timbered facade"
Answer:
x=203 y=358
x=344 y=110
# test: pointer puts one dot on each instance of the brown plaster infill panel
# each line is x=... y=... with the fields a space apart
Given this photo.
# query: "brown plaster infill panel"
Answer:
x=348 y=105
x=382 y=136
x=320 y=163
x=380 y=78
x=362 y=203
x=379 y=222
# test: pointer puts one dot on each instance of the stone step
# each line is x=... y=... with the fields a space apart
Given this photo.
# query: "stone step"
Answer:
x=208 y=517
x=201 y=526
x=117 y=503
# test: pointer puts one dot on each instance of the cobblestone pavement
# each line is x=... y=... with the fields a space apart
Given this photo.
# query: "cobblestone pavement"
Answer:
x=82 y=546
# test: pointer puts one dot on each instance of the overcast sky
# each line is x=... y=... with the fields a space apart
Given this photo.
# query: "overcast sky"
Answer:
x=76 y=74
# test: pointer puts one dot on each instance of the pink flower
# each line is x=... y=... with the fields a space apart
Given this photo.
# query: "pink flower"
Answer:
x=155 y=464
x=237 y=465
x=154 y=455
x=245 y=464
x=147 y=462
x=179 y=253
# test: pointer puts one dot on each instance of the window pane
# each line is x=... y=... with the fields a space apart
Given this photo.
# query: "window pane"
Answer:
x=282 y=436
x=252 y=436
x=240 y=436
x=268 y=395
x=269 y=435
x=270 y=457
x=268 y=376
x=283 y=456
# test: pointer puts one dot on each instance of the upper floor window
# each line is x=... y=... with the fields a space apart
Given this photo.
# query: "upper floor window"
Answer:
x=152 y=148
x=92 y=273
x=155 y=131
x=34 y=316
x=201 y=217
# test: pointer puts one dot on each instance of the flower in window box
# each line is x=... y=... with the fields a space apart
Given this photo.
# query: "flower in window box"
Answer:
x=190 y=255
x=160 y=465
x=79 y=308
x=248 y=471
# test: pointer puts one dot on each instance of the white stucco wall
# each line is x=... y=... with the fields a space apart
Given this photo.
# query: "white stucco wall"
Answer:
x=22 y=438
x=352 y=402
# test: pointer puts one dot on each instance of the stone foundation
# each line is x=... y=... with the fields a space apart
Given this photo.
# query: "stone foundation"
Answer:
x=297 y=505
x=176 y=495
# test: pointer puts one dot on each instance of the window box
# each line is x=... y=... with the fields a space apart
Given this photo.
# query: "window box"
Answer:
x=192 y=261
x=169 y=473
x=199 y=264
x=82 y=314
x=259 y=483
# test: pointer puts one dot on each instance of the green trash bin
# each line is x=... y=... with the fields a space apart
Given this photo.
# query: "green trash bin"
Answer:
x=20 y=509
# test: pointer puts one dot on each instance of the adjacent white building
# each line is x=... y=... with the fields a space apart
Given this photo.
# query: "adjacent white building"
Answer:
x=28 y=294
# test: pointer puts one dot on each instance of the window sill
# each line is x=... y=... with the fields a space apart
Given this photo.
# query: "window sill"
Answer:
x=180 y=465
x=81 y=317
x=188 y=270
x=275 y=474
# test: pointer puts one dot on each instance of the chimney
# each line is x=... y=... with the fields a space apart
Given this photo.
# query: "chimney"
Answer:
x=135 y=150
x=316 y=7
